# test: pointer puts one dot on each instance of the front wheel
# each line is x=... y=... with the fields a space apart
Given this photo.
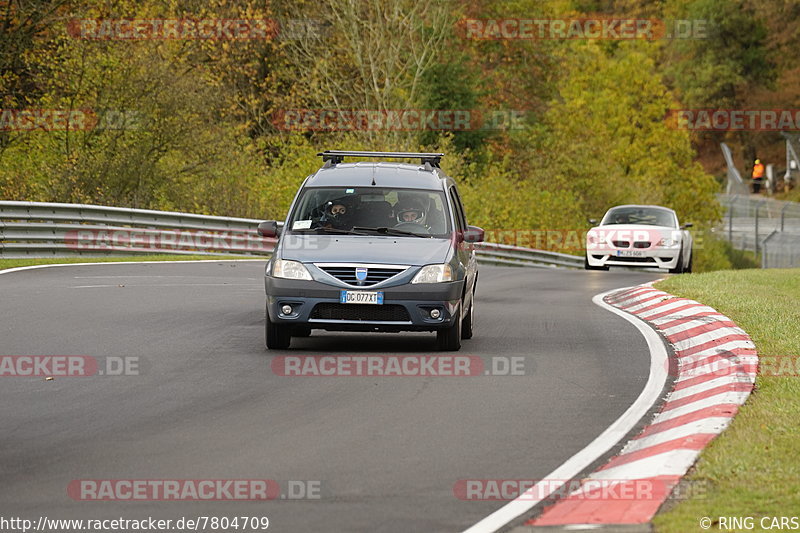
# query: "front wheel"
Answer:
x=278 y=335
x=678 y=266
x=466 y=324
x=449 y=340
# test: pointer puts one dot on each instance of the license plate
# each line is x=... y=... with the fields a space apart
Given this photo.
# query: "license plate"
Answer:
x=361 y=297
x=630 y=253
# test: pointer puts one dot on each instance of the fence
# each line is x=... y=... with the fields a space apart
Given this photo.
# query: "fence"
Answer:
x=749 y=220
x=33 y=229
x=781 y=250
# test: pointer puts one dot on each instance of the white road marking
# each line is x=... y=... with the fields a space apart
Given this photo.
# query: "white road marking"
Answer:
x=670 y=463
x=704 y=425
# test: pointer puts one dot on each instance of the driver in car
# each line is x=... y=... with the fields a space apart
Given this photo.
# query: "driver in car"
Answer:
x=621 y=218
x=410 y=211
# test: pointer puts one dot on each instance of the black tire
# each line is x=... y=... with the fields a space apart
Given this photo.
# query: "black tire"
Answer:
x=301 y=331
x=587 y=266
x=466 y=324
x=688 y=269
x=678 y=266
x=449 y=340
x=278 y=336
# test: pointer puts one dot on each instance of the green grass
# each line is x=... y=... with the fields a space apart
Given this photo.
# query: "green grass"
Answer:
x=13 y=263
x=753 y=468
x=791 y=196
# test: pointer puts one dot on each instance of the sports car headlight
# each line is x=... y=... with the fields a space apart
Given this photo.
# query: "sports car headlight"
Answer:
x=289 y=270
x=434 y=274
x=668 y=242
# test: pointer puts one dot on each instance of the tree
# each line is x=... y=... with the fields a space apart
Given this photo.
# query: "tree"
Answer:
x=718 y=71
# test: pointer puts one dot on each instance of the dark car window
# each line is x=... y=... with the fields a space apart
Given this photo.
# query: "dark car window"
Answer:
x=640 y=215
x=458 y=211
x=421 y=212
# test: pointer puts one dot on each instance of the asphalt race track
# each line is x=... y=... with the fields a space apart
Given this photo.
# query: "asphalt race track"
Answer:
x=205 y=404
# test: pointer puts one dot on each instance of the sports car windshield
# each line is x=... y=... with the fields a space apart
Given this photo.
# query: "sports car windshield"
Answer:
x=370 y=211
x=640 y=215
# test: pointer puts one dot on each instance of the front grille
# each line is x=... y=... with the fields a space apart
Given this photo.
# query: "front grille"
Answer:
x=374 y=274
x=621 y=244
x=633 y=259
x=641 y=244
x=366 y=312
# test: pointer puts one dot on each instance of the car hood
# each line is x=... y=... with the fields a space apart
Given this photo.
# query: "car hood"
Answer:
x=390 y=250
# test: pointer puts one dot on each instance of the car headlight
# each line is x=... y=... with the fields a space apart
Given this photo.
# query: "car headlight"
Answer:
x=434 y=274
x=282 y=268
x=668 y=242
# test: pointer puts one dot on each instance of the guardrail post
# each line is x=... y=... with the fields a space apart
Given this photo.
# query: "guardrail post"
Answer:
x=764 y=256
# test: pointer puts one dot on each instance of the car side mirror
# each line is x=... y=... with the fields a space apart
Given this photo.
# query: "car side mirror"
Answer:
x=269 y=228
x=592 y=221
x=473 y=234
x=687 y=225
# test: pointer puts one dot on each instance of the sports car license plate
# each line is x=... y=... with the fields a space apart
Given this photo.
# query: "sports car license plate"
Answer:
x=361 y=297
x=630 y=253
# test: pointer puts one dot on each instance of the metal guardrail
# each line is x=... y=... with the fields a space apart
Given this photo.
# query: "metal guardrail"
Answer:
x=34 y=229
x=507 y=255
x=792 y=160
x=736 y=184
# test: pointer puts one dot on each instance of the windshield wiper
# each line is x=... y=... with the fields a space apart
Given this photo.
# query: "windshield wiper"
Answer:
x=329 y=230
x=391 y=231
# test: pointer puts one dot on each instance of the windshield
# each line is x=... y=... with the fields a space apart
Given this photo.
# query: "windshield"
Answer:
x=640 y=215
x=371 y=210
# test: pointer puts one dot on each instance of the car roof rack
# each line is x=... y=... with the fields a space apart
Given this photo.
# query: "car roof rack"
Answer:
x=333 y=157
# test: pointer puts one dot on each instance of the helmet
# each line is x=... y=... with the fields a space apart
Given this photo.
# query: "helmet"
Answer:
x=758 y=161
x=410 y=210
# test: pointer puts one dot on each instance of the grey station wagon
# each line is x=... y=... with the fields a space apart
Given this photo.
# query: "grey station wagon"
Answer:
x=373 y=246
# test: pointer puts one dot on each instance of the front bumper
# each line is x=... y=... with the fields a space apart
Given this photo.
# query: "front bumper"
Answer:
x=405 y=307
x=664 y=258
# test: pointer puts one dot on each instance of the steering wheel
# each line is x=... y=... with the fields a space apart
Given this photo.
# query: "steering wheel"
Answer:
x=413 y=227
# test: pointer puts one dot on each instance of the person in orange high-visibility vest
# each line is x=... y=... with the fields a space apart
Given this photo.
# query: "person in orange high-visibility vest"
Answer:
x=758 y=176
